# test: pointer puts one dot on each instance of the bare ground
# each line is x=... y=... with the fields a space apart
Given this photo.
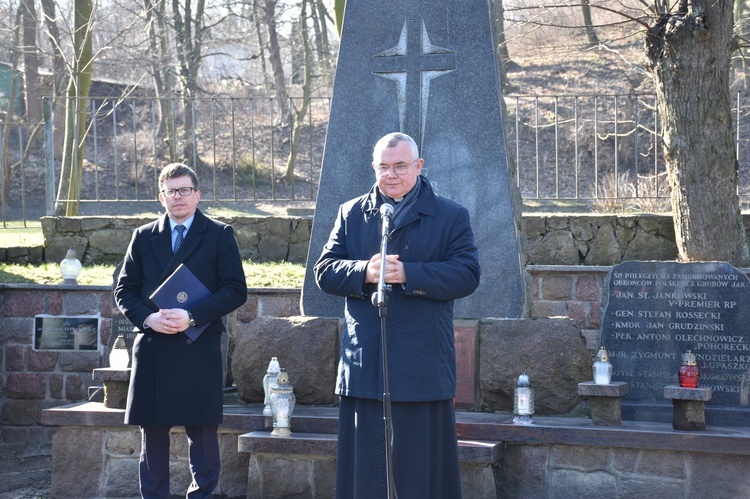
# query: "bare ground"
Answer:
x=25 y=471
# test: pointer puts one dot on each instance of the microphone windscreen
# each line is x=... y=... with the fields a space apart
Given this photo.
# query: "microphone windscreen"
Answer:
x=386 y=210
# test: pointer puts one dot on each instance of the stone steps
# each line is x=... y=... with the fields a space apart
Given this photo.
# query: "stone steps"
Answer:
x=262 y=442
x=314 y=432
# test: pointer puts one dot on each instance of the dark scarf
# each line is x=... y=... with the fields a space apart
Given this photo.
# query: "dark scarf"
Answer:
x=401 y=208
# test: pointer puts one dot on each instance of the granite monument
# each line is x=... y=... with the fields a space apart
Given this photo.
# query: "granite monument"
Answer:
x=428 y=69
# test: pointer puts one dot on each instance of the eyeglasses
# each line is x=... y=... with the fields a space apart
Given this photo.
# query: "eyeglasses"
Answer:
x=184 y=192
x=398 y=168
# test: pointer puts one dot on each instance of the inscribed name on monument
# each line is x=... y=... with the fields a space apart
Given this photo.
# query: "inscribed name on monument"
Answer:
x=656 y=311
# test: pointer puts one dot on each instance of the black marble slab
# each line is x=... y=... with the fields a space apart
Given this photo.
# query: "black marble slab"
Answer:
x=655 y=311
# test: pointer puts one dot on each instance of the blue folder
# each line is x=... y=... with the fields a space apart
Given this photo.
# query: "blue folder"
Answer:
x=182 y=290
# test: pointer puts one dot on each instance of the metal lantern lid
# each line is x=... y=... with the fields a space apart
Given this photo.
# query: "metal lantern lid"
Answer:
x=120 y=343
x=282 y=384
x=273 y=366
x=688 y=358
x=602 y=355
x=70 y=266
x=523 y=380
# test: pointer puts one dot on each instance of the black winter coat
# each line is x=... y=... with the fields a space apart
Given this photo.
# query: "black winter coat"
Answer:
x=176 y=381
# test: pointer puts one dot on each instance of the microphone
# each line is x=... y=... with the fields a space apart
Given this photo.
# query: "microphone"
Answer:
x=386 y=212
x=379 y=298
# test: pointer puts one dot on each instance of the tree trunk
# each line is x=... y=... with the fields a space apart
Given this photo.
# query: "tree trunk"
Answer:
x=257 y=16
x=188 y=35
x=274 y=56
x=591 y=37
x=299 y=116
x=504 y=64
x=498 y=15
x=59 y=76
x=9 y=115
x=322 y=45
x=689 y=55
x=69 y=190
x=33 y=93
x=163 y=85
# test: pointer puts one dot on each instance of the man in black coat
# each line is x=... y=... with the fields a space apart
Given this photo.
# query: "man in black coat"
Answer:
x=177 y=381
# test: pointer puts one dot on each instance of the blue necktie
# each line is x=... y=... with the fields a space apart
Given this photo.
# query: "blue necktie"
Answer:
x=178 y=240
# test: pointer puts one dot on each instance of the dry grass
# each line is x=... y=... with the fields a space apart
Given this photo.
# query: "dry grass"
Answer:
x=258 y=275
x=620 y=194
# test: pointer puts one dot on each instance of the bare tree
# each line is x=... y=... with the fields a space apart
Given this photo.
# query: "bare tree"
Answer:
x=257 y=24
x=689 y=55
x=320 y=18
x=9 y=114
x=32 y=85
x=69 y=189
x=189 y=31
x=274 y=56
x=689 y=48
x=59 y=74
x=299 y=115
x=588 y=24
x=162 y=76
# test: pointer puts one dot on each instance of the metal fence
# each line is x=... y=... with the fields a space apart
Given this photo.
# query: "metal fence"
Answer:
x=238 y=147
x=601 y=152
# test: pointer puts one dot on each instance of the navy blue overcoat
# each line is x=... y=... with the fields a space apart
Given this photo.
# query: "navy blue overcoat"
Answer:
x=436 y=245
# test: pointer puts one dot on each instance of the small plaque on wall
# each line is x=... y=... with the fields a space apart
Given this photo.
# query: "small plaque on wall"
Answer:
x=66 y=333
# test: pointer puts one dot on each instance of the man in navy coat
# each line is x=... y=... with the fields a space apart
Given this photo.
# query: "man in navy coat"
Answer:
x=431 y=261
x=176 y=381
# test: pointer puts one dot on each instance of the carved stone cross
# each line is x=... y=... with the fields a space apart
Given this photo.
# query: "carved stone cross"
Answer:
x=413 y=63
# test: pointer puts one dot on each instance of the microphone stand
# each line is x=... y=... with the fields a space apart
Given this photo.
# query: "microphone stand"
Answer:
x=380 y=300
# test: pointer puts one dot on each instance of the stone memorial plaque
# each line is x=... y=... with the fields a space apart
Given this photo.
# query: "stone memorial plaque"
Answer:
x=66 y=333
x=655 y=312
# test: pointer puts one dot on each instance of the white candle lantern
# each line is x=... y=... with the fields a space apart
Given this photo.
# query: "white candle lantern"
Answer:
x=523 y=401
x=118 y=356
x=70 y=268
x=268 y=380
x=282 y=405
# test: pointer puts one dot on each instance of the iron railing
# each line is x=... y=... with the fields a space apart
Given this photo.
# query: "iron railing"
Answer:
x=595 y=150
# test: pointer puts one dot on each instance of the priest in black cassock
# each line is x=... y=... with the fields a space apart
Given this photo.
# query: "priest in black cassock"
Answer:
x=431 y=261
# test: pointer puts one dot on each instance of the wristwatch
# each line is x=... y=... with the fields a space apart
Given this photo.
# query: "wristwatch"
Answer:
x=191 y=321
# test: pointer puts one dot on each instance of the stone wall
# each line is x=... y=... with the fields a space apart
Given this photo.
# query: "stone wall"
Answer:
x=548 y=239
x=98 y=239
x=614 y=472
x=554 y=458
x=35 y=380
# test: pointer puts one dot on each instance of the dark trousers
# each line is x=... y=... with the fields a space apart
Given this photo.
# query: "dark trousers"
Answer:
x=205 y=461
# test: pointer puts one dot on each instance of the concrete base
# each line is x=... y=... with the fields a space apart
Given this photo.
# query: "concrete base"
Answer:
x=95 y=455
x=689 y=407
x=605 y=401
x=116 y=383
